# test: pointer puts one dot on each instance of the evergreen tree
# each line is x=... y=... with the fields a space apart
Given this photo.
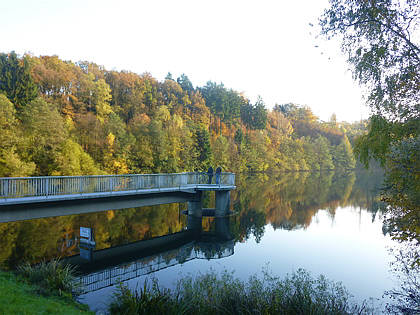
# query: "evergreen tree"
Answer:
x=16 y=80
x=343 y=157
x=259 y=114
x=203 y=147
x=185 y=83
x=322 y=153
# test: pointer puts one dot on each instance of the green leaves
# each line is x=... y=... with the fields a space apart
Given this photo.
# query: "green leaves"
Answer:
x=71 y=160
x=101 y=97
x=11 y=163
x=227 y=104
x=403 y=189
x=378 y=38
x=382 y=134
x=254 y=116
x=15 y=79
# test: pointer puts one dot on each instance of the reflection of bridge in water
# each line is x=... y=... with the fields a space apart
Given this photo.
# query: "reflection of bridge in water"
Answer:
x=41 y=197
x=110 y=266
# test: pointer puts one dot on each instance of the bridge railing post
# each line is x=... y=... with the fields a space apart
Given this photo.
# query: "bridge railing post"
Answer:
x=81 y=185
x=5 y=188
x=47 y=182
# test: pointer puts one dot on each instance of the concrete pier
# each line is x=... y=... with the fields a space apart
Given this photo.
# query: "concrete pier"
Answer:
x=195 y=206
x=222 y=203
x=40 y=197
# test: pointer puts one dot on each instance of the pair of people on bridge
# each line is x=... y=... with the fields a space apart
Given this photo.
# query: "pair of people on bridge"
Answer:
x=210 y=174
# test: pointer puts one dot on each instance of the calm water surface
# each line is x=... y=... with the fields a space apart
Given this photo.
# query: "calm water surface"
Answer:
x=328 y=223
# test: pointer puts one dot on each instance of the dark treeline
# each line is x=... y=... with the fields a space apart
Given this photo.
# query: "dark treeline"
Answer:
x=63 y=118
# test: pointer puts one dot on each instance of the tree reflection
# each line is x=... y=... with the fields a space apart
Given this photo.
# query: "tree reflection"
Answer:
x=35 y=240
x=290 y=200
x=284 y=200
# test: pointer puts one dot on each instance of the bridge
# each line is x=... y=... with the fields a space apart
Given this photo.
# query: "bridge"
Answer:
x=24 y=198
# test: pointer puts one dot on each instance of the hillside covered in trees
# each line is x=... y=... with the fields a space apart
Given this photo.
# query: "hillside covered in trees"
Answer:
x=63 y=118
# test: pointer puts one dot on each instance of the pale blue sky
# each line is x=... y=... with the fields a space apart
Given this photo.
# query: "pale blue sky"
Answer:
x=256 y=47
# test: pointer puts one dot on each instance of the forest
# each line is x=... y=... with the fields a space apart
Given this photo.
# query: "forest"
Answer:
x=76 y=118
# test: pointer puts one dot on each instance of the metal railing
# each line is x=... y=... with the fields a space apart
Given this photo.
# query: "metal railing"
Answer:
x=143 y=266
x=19 y=187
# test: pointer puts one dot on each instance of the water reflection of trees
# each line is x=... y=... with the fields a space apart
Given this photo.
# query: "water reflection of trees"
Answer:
x=290 y=200
x=39 y=239
x=285 y=200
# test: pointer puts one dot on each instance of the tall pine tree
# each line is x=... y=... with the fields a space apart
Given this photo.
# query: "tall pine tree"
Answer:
x=16 y=80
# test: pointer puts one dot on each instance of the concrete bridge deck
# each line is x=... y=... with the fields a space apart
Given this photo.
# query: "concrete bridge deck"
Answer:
x=27 y=190
x=24 y=198
x=191 y=189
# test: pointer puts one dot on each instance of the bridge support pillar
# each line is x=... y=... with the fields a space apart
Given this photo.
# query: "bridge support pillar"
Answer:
x=222 y=203
x=195 y=206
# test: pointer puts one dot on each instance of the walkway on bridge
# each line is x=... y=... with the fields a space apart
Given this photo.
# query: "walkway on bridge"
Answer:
x=30 y=190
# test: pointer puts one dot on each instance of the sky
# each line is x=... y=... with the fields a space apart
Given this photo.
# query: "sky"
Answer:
x=263 y=47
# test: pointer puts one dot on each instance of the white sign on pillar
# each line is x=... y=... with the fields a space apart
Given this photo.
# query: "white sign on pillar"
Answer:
x=86 y=232
x=86 y=236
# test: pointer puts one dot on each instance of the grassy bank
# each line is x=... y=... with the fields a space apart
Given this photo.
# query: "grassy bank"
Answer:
x=210 y=293
x=17 y=296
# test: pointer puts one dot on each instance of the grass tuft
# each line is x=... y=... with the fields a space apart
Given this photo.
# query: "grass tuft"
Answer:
x=52 y=277
x=298 y=293
x=146 y=301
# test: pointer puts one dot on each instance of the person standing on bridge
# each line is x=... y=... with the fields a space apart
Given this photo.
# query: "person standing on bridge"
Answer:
x=210 y=174
x=218 y=173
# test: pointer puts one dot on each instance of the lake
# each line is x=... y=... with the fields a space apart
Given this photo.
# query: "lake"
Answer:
x=327 y=223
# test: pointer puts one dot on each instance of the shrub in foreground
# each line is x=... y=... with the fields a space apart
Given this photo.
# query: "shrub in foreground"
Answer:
x=209 y=293
x=406 y=298
x=52 y=277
